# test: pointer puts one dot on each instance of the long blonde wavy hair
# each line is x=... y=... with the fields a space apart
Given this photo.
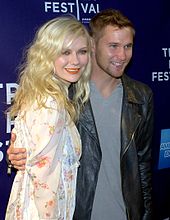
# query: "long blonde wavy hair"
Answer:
x=36 y=80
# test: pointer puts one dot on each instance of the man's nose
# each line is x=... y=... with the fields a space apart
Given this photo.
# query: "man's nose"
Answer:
x=122 y=53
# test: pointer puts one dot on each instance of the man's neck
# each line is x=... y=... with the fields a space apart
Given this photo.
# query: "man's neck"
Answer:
x=104 y=83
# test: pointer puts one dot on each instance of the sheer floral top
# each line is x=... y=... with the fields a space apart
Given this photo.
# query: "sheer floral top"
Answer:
x=46 y=189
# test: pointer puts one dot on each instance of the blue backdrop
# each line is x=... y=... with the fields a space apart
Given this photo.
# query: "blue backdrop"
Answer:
x=151 y=64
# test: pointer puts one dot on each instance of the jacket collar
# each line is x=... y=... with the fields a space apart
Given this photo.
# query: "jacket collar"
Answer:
x=130 y=93
x=130 y=97
x=131 y=116
x=87 y=121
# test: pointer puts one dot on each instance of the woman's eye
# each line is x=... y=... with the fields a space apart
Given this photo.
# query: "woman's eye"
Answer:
x=66 y=52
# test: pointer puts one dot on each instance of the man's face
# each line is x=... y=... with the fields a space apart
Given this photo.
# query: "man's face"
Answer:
x=113 y=50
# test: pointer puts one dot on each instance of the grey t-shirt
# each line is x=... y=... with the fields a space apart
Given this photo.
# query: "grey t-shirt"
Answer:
x=108 y=201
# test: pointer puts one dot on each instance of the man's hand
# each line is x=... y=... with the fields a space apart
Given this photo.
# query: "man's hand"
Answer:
x=17 y=156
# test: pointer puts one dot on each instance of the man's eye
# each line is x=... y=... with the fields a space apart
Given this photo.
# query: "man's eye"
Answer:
x=113 y=45
x=83 y=51
x=128 y=46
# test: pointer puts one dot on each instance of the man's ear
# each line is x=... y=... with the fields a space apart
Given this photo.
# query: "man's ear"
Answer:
x=93 y=44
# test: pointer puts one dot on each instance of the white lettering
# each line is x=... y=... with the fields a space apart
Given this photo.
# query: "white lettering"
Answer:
x=167 y=153
x=166 y=76
x=154 y=76
x=10 y=91
x=58 y=7
x=71 y=6
x=47 y=6
x=1 y=153
x=165 y=146
x=160 y=76
x=9 y=124
x=166 y=52
x=63 y=7
x=84 y=8
x=90 y=8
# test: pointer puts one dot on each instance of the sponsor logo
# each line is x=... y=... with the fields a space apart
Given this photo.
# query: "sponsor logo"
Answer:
x=164 y=155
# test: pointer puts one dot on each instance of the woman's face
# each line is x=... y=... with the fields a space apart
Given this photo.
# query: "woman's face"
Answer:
x=70 y=65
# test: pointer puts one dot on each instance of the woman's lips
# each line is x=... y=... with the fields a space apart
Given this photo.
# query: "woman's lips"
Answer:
x=72 y=70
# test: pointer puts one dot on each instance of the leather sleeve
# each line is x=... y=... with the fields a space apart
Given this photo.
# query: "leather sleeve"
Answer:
x=144 y=156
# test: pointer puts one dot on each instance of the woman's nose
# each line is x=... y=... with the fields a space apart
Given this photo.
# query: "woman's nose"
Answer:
x=74 y=59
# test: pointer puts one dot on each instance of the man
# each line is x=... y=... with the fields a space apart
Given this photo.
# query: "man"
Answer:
x=114 y=178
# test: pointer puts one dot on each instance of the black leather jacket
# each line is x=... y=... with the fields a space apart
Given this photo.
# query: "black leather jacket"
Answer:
x=135 y=157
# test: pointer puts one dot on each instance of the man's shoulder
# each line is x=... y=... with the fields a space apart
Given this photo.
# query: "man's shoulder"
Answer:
x=136 y=91
x=135 y=84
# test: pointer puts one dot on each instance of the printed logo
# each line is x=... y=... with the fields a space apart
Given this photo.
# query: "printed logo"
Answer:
x=164 y=155
x=83 y=10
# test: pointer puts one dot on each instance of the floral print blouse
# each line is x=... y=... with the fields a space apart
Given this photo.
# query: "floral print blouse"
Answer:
x=46 y=189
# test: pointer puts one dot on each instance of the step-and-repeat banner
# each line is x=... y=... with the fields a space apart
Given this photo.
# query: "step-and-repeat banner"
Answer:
x=151 y=64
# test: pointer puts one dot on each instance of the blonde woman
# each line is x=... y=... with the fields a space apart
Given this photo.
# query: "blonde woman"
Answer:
x=45 y=124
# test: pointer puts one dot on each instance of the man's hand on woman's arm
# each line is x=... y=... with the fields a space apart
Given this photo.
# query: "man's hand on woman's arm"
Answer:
x=16 y=156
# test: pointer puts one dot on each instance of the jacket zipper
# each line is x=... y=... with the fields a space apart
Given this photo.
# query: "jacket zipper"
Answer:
x=131 y=139
x=128 y=216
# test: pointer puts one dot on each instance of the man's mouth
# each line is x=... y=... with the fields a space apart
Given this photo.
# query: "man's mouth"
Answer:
x=72 y=70
x=118 y=64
